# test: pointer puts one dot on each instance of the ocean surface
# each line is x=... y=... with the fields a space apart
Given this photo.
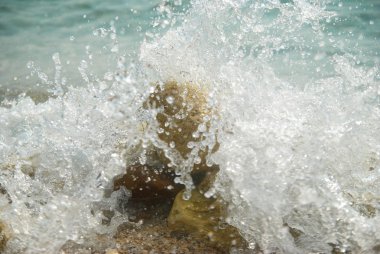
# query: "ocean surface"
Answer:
x=35 y=30
x=296 y=84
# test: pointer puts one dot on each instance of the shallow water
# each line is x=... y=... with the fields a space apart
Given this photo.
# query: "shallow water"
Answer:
x=295 y=83
x=35 y=30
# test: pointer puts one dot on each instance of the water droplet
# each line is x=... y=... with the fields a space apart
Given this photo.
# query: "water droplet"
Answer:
x=196 y=134
x=115 y=48
x=56 y=59
x=209 y=163
x=102 y=32
x=108 y=76
x=186 y=195
x=72 y=38
x=177 y=2
x=103 y=85
x=170 y=99
x=142 y=159
x=30 y=64
x=202 y=127
x=190 y=145
x=209 y=193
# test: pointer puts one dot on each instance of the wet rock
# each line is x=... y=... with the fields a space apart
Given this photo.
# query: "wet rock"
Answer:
x=204 y=218
x=4 y=236
x=157 y=237
x=366 y=210
x=97 y=244
x=153 y=189
x=208 y=178
x=27 y=165
x=5 y=193
x=148 y=184
x=364 y=204
x=185 y=116
x=179 y=234
x=376 y=248
x=294 y=232
x=152 y=192
x=30 y=165
x=71 y=247
x=112 y=251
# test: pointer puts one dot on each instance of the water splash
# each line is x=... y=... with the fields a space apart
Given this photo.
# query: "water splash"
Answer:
x=296 y=116
x=298 y=121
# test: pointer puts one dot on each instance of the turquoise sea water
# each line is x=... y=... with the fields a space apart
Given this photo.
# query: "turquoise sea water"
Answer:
x=296 y=84
x=35 y=29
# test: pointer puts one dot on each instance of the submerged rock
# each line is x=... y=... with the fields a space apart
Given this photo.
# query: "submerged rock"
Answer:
x=204 y=218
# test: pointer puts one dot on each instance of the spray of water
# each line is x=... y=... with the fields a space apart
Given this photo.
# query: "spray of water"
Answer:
x=296 y=116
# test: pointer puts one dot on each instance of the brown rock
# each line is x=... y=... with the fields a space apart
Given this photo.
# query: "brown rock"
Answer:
x=71 y=247
x=204 y=218
x=184 y=110
x=4 y=236
x=157 y=237
x=148 y=184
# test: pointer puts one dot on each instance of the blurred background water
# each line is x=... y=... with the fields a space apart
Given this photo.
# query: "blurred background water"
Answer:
x=36 y=29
